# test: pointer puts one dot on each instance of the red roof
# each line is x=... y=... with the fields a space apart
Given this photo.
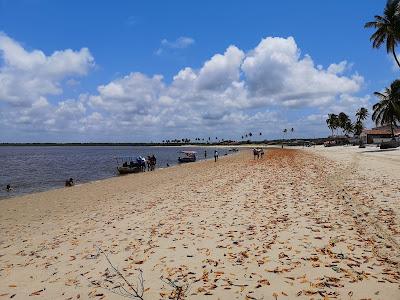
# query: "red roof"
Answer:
x=385 y=130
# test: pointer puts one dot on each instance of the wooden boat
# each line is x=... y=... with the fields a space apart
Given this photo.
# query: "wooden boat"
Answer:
x=188 y=156
x=129 y=165
x=129 y=169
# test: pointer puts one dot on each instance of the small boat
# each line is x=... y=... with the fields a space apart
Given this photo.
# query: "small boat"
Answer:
x=129 y=165
x=189 y=156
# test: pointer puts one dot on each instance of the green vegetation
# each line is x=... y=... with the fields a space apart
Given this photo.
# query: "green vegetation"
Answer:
x=343 y=122
x=387 y=28
x=387 y=110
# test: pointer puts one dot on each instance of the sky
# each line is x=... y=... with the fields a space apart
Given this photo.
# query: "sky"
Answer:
x=141 y=71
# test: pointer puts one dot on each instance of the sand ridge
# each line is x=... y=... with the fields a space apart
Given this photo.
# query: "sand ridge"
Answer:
x=299 y=224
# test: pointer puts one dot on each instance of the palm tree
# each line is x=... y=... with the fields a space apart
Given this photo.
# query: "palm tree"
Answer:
x=387 y=110
x=291 y=133
x=387 y=28
x=361 y=115
x=332 y=122
x=348 y=127
x=343 y=119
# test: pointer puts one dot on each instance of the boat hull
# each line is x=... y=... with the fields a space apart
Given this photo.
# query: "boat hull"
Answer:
x=128 y=170
x=186 y=160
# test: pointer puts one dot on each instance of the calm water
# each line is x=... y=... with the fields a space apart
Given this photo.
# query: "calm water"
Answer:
x=34 y=169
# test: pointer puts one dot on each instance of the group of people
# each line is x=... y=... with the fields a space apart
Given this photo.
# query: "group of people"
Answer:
x=151 y=162
x=258 y=152
x=215 y=155
x=143 y=163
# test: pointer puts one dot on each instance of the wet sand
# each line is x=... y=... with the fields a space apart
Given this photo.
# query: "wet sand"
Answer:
x=299 y=224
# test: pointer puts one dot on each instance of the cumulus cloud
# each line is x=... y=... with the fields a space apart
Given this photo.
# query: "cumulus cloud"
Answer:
x=230 y=93
x=25 y=76
x=221 y=71
x=276 y=73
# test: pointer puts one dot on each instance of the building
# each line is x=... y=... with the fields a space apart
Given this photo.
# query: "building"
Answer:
x=378 y=135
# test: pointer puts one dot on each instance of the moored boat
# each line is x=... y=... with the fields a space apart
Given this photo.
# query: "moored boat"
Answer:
x=129 y=165
x=189 y=156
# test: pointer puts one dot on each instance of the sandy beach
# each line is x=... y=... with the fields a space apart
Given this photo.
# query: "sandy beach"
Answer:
x=313 y=223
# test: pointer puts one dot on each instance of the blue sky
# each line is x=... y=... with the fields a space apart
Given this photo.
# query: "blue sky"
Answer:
x=120 y=70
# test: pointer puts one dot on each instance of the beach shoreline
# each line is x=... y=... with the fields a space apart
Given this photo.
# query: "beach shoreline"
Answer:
x=300 y=223
x=38 y=170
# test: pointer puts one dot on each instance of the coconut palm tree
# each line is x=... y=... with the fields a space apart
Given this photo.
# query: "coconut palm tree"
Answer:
x=348 y=128
x=332 y=122
x=387 y=28
x=343 y=121
x=361 y=115
x=387 y=110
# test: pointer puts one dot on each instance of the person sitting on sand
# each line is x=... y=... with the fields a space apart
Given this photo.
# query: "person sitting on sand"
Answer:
x=69 y=182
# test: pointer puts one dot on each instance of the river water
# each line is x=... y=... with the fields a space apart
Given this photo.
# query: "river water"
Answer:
x=37 y=168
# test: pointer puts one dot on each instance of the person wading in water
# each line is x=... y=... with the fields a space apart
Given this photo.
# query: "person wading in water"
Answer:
x=215 y=155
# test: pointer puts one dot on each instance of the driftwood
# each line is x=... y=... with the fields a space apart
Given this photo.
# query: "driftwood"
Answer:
x=132 y=292
x=135 y=292
x=180 y=291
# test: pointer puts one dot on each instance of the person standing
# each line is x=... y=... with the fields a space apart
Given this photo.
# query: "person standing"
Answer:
x=215 y=155
x=205 y=154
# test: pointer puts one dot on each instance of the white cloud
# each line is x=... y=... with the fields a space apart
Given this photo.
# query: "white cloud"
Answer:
x=231 y=93
x=27 y=75
x=338 y=68
x=277 y=74
x=221 y=71
x=180 y=43
x=134 y=94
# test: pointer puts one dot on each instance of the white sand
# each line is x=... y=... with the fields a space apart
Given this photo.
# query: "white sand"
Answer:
x=300 y=224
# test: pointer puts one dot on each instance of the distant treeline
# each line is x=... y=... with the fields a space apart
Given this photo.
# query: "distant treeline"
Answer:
x=231 y=143
x=87 y=144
